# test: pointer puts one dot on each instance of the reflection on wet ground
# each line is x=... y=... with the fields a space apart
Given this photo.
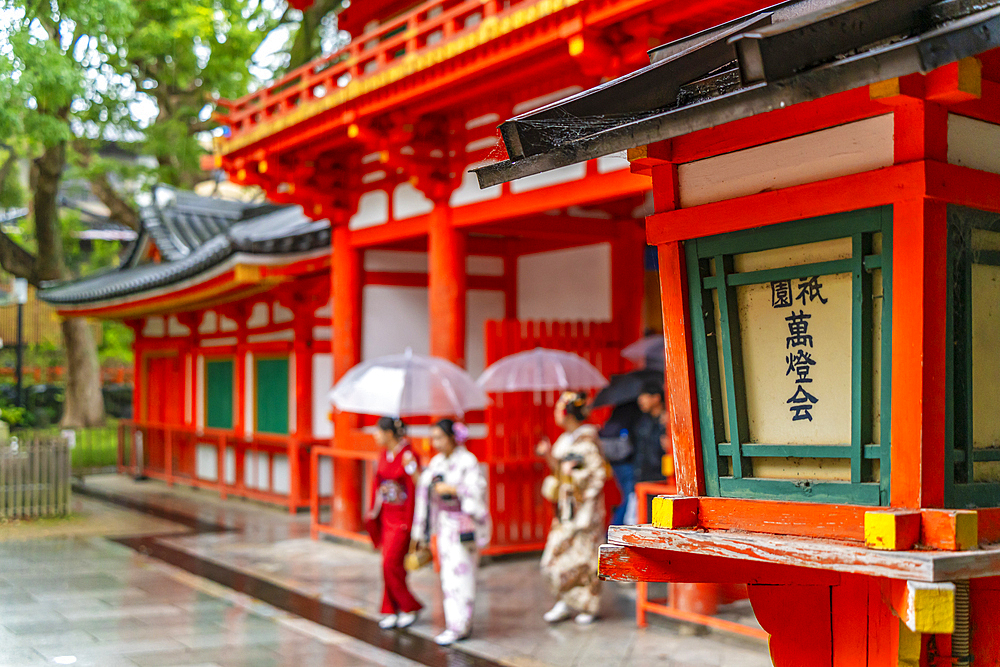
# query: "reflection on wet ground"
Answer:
x=260 y=552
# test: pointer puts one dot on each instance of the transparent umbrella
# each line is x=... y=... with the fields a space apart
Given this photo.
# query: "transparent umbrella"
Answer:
x=648 y=351
x=408 y=385
x=541 y=370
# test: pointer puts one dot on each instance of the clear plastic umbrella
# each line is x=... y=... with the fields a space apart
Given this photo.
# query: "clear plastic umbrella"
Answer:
x=408 y=385
x=541 y=370
x=648 y=350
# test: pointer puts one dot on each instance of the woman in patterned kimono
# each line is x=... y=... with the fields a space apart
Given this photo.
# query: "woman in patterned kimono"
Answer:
x=577 y=488
x=451 y=502
x=391 y=519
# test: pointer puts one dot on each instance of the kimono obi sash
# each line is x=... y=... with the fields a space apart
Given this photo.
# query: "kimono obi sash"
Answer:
x=392 y=492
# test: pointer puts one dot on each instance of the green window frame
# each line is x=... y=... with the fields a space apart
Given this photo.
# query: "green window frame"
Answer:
x=961 y=489
x=271 y=394
x=711 y=271
x=219 y=393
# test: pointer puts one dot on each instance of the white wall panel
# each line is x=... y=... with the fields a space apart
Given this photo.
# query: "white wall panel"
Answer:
x=572 y=284
x=838 y=151
x=481 y=305
x=973 y=143
x=394 y=318
x=322 y=382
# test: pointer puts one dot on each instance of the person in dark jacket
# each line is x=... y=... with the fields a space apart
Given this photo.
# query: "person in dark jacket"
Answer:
x=650 y=437
x=618 y=441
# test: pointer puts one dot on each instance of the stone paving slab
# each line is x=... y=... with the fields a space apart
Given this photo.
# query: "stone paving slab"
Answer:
x=173 y=621
x=275 y=547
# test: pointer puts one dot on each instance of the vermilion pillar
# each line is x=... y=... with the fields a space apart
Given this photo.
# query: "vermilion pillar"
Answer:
x=347 y=500
x=446 y=280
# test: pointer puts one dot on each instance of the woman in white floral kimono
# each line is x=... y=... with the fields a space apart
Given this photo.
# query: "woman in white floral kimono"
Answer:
x=578 y=529
x=451 y=502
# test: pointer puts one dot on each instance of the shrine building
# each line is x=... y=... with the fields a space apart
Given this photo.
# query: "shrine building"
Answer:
x=376 y=142
x=827 y=220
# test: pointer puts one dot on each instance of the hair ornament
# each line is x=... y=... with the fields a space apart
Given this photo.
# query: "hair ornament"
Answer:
x=460 y=432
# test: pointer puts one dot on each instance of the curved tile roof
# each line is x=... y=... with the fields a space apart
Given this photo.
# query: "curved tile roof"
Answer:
x=195 y=234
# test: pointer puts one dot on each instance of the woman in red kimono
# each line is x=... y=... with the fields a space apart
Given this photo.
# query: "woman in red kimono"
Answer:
x=391 y=518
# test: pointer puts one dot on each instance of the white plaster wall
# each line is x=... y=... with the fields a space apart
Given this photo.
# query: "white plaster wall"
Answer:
x=282 y=475
x=396 y=261
x=573 y=284
x=373 y=209
x=409 y=202
x=280 y=314
x=483 y=265
x=322 y=382
x=206 y=463
x=260 y=316
x=469 y=191
x=155 y=327
x=613 y=162
x=175 y=328
x=209 y=323
x=973 y=143
x=229 y=474
x=481 y=305
x=284 y=334
x=393 y=319
x=573 y=172
x=846 y=149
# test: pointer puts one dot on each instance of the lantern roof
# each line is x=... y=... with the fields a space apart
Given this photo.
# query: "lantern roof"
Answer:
x=772 y=59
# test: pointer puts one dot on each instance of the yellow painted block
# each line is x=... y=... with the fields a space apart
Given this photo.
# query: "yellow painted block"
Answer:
x=667 y=465
x=909 y=647
x=970 y=76
x=882 y=89
x=929 y=608
x=967 y=530
x=246 y=273
x=675 y=512
x=891 y=530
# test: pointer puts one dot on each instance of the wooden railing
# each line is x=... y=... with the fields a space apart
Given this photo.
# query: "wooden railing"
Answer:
x=265 y=467
x=431 y=23
x=34 y=478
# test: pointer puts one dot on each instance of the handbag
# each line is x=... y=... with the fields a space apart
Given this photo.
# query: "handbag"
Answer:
x=617 y=449
x=418 y=557
x=550 y=488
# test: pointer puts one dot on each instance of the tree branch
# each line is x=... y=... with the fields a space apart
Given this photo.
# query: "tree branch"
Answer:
x=18 y=261
x=120 y=210
x=8 y=165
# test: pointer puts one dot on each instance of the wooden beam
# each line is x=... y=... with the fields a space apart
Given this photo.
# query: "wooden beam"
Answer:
x=835 y=195
x=632 y=564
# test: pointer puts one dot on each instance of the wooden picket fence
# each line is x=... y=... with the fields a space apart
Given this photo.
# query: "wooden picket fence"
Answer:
x=34 y=478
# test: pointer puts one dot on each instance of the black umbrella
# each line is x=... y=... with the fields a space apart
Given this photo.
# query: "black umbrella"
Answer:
x=627 y=387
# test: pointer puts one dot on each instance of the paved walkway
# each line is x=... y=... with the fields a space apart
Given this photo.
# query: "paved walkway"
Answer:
x=271 y=547
x=89 y=601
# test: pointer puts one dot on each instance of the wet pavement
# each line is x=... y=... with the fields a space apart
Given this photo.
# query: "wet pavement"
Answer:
x=89 y=601
x=165 y=615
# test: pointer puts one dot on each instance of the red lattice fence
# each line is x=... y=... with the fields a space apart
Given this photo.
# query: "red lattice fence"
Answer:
x=517 y=421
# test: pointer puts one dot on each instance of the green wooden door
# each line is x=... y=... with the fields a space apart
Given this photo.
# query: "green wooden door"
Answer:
x=219 y=393
x=272 y=395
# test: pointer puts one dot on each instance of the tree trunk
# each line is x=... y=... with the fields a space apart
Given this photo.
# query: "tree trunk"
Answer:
x=84 y=405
